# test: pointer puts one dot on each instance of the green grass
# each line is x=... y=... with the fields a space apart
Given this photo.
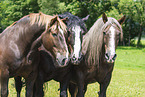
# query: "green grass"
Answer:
x=128 y=79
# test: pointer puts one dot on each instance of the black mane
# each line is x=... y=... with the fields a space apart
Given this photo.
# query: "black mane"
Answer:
x=73 y=20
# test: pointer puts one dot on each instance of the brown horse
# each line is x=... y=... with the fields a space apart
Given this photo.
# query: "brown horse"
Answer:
x=19 y=44
x=99 y=46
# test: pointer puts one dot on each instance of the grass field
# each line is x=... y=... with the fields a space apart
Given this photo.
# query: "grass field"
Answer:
x=128 y=79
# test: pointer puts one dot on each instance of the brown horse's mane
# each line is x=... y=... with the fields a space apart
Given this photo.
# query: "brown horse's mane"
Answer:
x=41 y=19
x=93 y=40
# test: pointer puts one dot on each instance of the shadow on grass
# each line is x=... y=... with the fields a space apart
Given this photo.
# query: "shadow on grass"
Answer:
x=134 y=46
x=131 y=48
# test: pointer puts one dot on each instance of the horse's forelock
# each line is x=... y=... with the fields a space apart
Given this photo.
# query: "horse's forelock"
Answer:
x=73 y=20
x=118 y=26
x=62 y=25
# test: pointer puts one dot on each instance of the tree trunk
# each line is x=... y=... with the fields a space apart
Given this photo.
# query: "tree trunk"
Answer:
x=139 y=36
x=129 y=34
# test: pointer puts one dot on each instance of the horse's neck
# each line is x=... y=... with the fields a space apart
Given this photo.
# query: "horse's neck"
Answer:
x=21 y=36
x=31 y=37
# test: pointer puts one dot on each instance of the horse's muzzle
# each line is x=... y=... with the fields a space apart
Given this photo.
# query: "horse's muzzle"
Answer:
x=111 y=58
x=76 y=61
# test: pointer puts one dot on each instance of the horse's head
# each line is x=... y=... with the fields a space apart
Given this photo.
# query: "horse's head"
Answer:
x=112 y=32
x=76 y=30
x=54 y=40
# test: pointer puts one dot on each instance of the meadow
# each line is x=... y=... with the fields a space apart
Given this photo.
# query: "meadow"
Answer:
x=128 y=78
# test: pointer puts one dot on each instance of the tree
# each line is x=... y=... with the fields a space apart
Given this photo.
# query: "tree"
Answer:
x=140 y=17
x=135 y=12
x=13 y=10
x=3 y=6
x=94 y=8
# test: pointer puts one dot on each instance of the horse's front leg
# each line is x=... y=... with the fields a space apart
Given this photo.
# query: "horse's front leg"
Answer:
x=18 y=85
x=4 y=78
x=80 y=83
x=85 y=88
x=63 y=88
x=104 y=85
x=30 y=80
x=72 y=89
x=38 y=87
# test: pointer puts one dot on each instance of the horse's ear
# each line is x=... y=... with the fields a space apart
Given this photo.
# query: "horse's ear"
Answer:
x=104 y=18
x=121 y=20
x=85 y=18
x=65 y=20
x=53 y=20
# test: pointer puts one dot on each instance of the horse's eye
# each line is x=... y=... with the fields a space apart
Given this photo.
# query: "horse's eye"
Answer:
x=119 y=34
x=54 y=34
x=104 y=33
x=68 y=33
x=49 y=30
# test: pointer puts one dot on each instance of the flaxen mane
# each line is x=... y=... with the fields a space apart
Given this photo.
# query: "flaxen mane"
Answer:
x=93 y=40
x=40 y=18
x=43 y=19
x=62 y=25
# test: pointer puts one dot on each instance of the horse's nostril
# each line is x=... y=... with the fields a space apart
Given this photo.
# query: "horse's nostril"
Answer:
x=107 y=56
x=80 y=58
x=74 y=58
x=63 y=61
x=114 y=57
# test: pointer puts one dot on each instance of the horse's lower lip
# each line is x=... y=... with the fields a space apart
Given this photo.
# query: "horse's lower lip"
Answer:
x=108 y=61
x=75 y=62
x=62 y=65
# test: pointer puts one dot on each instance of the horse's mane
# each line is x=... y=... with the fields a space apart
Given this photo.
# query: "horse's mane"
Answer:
x=43 y=19
x=73 y=20
x=62 y=25
x=93 y=41
x=40 y=18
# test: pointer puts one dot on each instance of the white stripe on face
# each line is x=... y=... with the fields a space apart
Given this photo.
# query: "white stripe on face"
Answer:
x=67 y=52
x=77 y=44
x=112 y=41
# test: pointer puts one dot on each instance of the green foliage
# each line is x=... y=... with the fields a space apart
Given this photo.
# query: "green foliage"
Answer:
x=13 y=10
x=49 y=6
x=94 y=8
x=3 y=18
x=135 y=12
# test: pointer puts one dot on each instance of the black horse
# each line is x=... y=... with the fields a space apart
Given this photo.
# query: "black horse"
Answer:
x=48 y=70
x=99 y=45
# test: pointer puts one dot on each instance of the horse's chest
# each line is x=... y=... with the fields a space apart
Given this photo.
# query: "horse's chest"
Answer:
x=95 y=75
x=91 y=77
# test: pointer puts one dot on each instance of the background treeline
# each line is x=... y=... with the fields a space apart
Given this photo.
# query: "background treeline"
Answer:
x=134 y=26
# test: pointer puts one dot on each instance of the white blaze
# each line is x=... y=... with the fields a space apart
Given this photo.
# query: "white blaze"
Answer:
x=77 y=44
x=67 y=52
x=112 y=41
